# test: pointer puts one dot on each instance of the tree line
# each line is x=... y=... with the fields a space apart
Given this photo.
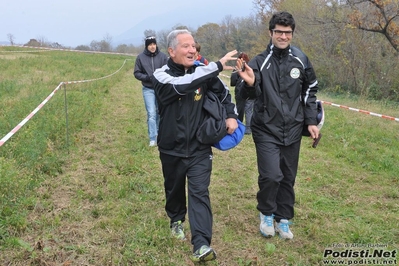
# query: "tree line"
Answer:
x=352 y=44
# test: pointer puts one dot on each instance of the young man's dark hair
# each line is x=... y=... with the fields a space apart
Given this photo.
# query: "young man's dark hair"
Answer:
x=282 y=18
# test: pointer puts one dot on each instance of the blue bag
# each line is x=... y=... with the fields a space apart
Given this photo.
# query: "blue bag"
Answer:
x=230 y=141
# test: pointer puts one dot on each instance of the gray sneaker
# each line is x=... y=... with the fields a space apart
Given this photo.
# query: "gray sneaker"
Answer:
x=283 y=229
x=266 y=225
x=204 y=253
x=177 y=230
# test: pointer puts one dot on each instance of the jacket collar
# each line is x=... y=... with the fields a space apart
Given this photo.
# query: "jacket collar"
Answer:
x=279 y=52
x=179 y=69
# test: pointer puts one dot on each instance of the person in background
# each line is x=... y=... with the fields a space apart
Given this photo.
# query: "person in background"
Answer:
x=199 y=58
x=284 y=84
x=181 y=87
x=244 y=106
x=146 y=63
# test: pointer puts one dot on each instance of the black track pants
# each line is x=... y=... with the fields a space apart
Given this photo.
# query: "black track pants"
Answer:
x=277 y=167
x=198 y=172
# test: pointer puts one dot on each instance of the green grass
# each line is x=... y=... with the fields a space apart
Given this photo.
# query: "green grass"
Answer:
x=101 y=201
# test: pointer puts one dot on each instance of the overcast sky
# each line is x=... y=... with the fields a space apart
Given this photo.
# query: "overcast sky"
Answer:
x=75 y=22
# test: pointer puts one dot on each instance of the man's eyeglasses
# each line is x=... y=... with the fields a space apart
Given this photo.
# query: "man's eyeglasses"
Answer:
x=279 y=33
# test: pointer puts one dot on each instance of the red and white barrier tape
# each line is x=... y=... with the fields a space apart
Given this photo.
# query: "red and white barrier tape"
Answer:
x=23 y=122
x=350 y=108
x=362 y=111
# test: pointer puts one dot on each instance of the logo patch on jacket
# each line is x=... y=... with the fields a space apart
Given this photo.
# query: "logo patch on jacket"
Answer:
x=198 y=95
x=295 y=73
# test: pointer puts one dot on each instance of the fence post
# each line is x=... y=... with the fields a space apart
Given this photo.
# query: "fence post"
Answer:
x=66 y=117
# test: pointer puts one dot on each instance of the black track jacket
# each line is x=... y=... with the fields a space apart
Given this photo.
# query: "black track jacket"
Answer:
x=285 y=91
x=180 y=95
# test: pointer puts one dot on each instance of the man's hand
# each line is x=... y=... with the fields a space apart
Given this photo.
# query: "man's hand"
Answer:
x=314 y=131
x=231 y=125
x=245 y=72
x=228 y=57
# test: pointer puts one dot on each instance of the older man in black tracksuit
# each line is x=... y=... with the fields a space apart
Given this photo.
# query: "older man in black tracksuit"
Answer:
x=180 y=88
x=284 y=83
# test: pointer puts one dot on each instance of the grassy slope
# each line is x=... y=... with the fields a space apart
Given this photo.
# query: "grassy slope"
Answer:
x=107 y=206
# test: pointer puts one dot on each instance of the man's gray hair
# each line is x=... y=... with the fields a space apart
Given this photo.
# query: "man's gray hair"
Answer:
x=172 y=37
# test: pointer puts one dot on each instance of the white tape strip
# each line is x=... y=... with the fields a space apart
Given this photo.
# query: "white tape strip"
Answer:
x=43 y=49
x=23 y=122
x=89 y=80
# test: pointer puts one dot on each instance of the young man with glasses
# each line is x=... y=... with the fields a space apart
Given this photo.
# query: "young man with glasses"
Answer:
x=284 y=84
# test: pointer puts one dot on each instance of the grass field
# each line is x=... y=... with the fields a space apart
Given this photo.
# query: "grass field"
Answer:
x=100 y=200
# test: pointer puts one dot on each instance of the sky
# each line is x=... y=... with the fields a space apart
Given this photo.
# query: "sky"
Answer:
x=78 y=22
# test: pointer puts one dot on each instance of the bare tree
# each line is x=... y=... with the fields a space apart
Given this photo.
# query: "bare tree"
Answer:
x=381 y=16
x=162 y=40
x=106 y=43
x=265 y=8
x=107 y=37
x=42 y=40
x=122 y=48
x=56 y=45
x=95 y=45
x=11 y=38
